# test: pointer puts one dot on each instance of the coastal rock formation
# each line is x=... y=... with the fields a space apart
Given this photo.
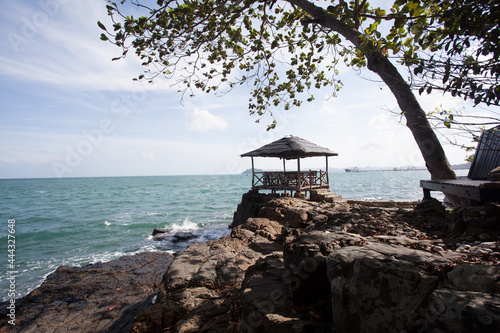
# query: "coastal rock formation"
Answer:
x=296 y=265
x=293 y=265
x=102 y=297
x=199 y=293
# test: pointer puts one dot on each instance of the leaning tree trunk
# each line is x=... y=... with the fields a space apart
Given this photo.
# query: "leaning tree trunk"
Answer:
x=416 y=120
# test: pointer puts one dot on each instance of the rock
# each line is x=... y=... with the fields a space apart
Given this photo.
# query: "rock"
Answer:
x=320 y=218
x=177 y=237
x=159 y=231
x=305 y=263
x=475 y=277
x=293 y=265
x=98 y=297
x=296 y=219
x=485 y=237
x=198 y=292
x=271 y=213
x=462 y=311
x=324 y=195
x=378 y=287
x=251 y=203
x=264 y=299
x=182 y=237
x=430 y=207
x=264 y=227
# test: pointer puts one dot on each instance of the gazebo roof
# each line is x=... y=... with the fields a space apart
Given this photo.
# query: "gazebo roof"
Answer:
x=290 y=147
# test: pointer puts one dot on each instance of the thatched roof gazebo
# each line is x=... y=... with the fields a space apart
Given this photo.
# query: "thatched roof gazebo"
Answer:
x=288 y=148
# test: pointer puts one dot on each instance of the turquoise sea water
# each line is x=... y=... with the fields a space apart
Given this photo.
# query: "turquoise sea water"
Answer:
x=76 y=221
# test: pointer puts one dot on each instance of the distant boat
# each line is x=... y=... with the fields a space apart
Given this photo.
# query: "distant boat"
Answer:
x=355 y=169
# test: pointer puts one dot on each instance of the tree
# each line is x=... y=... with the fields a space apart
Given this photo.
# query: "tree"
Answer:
x=459 y=53
x=283 y=48
x=463 y=58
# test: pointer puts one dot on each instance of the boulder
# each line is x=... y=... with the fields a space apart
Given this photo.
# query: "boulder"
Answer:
x=182 y=237
x=198 y=292
x=159 y=231
x=265 y=227
x=475 y=277
x=250 y=205
x=296 y=219
x=305 y=263
x=379 y=287
x=462 y=311
x=264 y=300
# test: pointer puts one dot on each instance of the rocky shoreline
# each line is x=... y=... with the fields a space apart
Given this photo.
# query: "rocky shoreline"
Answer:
x=102 y=297
x=296 y=265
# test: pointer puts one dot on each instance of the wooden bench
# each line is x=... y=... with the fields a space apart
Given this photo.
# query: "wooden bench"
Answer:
x=476 y=187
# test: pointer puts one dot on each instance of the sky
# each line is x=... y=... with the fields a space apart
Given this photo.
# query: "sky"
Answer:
x=67 y=110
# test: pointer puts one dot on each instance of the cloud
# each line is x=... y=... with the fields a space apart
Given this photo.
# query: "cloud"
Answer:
x=57 y=43
x=202 y=121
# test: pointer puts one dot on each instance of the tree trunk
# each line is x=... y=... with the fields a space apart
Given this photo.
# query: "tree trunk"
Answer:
x=416 y=120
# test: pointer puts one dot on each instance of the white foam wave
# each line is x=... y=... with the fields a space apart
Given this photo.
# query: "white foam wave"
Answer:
x=187 y=224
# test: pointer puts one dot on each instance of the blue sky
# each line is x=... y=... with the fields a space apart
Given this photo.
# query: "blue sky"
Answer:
x=67 y=110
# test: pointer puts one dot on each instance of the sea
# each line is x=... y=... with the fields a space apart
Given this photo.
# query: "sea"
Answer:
x=50 y=222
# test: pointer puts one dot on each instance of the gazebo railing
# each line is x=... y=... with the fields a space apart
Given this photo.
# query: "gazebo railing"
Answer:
x=290 y=180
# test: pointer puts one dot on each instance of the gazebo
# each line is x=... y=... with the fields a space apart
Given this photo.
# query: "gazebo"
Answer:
x=290 y=148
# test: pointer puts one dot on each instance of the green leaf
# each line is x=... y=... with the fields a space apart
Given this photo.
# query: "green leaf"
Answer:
x=101 y=25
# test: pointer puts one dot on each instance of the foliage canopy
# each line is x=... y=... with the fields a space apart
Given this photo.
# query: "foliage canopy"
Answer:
x=278 y=49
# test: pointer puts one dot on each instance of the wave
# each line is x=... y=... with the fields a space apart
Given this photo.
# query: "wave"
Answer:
x=147 y=214
x=187 y=225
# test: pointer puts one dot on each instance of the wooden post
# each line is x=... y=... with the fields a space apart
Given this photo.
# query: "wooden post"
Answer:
x=253 y=174
x=284 y=175
x=299 y=178
x=327 y=177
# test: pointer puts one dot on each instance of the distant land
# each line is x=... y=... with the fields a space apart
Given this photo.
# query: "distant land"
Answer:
x=463 y=166
x=249 y=171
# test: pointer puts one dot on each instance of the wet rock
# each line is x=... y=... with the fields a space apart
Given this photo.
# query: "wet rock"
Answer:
x=174 y=237
x=159 y=231
x=182 y=237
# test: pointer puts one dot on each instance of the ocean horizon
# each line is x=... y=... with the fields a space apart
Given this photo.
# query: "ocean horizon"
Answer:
x=80 y=220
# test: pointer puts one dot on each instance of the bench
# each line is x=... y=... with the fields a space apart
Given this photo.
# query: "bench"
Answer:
x=476 y=188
